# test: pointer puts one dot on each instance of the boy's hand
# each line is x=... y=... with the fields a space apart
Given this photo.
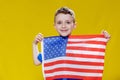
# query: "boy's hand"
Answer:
x=38 y=38
x=106 y=34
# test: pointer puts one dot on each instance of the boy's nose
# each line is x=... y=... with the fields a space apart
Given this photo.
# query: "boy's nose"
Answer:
x=63 y=26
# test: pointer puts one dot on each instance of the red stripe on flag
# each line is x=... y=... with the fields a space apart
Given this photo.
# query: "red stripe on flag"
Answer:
x=85 y=56
x=86 y=36
x=73 y=70
x=88 y=42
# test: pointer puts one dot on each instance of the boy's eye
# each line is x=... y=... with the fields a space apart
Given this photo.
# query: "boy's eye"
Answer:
x=68 y=22
x=59 y=22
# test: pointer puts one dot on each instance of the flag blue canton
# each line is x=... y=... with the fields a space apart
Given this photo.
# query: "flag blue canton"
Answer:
x=54 y=47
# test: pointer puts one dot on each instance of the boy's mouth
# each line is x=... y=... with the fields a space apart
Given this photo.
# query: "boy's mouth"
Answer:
x=64 y=30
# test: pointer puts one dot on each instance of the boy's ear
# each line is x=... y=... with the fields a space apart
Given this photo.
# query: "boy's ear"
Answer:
x=54 y=25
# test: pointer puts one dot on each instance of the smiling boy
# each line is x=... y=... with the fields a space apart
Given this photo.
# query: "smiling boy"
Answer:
x=64 y=23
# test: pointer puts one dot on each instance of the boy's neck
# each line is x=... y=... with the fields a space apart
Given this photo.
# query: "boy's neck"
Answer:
x=64 y=36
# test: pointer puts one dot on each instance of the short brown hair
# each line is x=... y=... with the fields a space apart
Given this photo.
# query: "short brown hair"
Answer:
x=65 y=10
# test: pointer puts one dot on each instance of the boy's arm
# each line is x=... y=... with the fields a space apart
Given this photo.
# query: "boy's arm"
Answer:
x=36 y=52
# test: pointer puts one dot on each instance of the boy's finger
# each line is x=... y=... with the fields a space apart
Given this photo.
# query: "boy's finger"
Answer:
x=106 y=34
x=40 y=34
x=39 y=38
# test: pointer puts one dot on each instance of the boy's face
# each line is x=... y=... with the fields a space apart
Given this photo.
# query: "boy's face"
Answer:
x=64 y=24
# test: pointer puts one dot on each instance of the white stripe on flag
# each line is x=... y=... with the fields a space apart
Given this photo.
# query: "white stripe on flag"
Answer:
x=74 y=73
x=87 y=45
x=89 y=39
x=85 y=52
x=75 y=59
x=73 y=66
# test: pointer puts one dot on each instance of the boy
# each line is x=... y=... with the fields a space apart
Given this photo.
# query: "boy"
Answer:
x=64 y=23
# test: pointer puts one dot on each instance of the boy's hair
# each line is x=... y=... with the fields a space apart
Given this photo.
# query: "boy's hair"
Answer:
x=65 y=10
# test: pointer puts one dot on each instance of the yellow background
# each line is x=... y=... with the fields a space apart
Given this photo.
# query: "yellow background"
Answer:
x=21 y=20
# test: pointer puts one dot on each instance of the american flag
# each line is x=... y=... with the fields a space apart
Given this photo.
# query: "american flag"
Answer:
x=77 y=57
